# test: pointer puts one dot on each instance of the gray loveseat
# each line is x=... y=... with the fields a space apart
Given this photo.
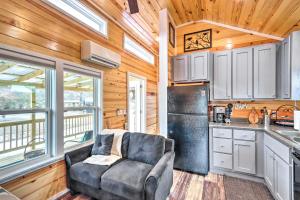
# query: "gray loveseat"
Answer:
x=144 y=173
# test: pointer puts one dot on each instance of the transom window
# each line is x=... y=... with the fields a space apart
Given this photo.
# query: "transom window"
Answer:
x=133 y=47
x=81 y=13
x=24 y=111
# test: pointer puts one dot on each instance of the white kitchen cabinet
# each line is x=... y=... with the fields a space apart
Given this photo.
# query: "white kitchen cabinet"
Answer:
x=278 y=173
x=242 y=73
x=284 y=70
x=288 y=68
x=269 y=169
x=265 y=71
x=222 y=75
x=244 y=156
x=199 y=66
x=181 y=68
x=282 y=179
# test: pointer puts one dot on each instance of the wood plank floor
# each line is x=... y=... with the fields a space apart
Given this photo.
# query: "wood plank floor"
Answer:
x=211 y=187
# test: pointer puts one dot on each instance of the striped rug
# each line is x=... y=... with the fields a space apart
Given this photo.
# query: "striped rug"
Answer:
x=211 y=187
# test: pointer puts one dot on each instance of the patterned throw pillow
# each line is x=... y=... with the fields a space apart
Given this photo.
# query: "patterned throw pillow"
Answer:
x=103 y=144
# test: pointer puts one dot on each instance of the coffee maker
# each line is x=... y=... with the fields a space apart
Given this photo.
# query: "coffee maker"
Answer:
x=219 y=114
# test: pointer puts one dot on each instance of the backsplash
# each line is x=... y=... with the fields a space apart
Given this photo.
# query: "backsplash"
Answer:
x=241 y=109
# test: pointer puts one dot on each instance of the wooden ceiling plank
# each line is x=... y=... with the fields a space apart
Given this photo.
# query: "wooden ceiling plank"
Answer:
x=30 y=75
x=180 y=10
x=291 y=21
x=280 y=16
x=247 y=13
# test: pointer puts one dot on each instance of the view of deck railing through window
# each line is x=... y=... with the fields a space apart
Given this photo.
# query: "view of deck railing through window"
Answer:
x=24 y=107
x=79 y=108
x=25 y=111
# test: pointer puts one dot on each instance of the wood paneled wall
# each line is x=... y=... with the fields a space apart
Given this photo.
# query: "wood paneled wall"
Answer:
x=220 y=37
x=34 y=26
x=41 y=184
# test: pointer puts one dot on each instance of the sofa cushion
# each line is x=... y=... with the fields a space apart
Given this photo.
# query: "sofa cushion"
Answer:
x=146 y=148
x=126 y=179
x=87 y=173
x=103 y=144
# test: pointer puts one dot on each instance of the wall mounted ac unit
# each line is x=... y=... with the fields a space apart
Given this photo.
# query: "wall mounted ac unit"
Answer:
x=97 y=54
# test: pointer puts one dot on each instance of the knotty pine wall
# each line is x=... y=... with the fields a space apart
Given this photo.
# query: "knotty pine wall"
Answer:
x=29 y=25
x=220 y=37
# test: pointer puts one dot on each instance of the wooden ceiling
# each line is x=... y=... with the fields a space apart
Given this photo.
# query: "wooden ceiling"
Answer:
x=274 y=17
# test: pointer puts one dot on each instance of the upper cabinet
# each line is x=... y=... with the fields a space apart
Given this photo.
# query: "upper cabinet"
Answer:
x=199 y=66
x=265 y=71
x=191 y=67
x=181 y=68
x=222 y=75
x=242 y=73
x=288 y=68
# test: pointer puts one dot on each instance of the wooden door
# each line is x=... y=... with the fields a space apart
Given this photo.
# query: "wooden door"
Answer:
x=265 y=71
x=242 y=73
x=180 y=68
x=269 y=168
x=199 y=66
x=244 y=156
x=282 y=179
x=222 y=75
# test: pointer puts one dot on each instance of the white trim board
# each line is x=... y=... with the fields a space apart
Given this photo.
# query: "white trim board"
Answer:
x=232 y=28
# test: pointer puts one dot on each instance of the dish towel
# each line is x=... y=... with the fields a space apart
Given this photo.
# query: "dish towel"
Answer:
x=102 y=159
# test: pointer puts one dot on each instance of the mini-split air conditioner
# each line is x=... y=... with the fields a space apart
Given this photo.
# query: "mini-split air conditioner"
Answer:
x=97 y=54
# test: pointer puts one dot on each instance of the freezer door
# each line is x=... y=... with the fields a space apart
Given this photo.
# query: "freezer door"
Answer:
x=188 y=99
x=190 y=133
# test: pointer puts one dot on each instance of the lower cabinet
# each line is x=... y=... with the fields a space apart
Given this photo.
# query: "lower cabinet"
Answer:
x=244 y=156
x=277 y=171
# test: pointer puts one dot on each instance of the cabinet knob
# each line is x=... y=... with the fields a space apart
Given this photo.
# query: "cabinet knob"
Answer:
x=222 y=146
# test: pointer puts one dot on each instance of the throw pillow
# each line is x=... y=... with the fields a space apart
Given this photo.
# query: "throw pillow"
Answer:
x=103 y=144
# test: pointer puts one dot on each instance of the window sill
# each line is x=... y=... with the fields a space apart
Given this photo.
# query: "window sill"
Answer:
x=25 y=168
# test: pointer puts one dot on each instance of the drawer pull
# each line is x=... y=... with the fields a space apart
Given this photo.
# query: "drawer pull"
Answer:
x=222 y=146
x=222 y=161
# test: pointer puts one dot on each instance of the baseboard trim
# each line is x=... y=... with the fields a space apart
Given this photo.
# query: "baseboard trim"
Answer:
x=60 y=194
x=238 y=175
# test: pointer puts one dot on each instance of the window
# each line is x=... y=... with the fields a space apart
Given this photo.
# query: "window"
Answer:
x=24 y=111
x=82 y=14
x=80 y=105
x=138 y=50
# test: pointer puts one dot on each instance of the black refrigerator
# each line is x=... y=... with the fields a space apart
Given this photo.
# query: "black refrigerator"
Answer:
x=188 y=126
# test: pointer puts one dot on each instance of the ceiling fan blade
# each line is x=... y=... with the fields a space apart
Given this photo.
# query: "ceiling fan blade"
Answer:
x=133 y=6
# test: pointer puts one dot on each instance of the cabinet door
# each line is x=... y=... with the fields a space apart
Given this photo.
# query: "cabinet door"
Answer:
x=199 y=66
x=283 y=179
x=242 y=73
x=285 y=70
x=222 y=75
x=269 y=168
x=265 y=71
x=180 y=68
x=244 y=156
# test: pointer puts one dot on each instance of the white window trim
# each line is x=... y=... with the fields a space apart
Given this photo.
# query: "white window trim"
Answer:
x=94 y=16
x=147 y=57
x=56 y=148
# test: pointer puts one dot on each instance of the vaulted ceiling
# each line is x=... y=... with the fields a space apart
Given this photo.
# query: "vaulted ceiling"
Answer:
x=274 y=17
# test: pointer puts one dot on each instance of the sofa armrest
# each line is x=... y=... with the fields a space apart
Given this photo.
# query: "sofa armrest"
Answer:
x=78 y=155
x=160 y=179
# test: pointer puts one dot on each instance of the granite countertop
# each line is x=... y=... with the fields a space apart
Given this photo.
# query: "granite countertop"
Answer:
x=271 y=130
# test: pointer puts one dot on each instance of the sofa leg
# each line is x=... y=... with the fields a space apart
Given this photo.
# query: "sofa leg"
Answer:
x=72 y=192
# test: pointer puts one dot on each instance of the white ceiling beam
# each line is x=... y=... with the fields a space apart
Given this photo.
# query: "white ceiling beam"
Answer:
x=233 y=28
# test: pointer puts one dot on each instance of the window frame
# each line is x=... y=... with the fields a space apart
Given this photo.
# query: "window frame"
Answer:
x=150 y=58
x=84 y=10
x=56 y=102
x=97 y=102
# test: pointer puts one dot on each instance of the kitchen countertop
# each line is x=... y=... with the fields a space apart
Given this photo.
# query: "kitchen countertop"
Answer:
x=271 y=130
